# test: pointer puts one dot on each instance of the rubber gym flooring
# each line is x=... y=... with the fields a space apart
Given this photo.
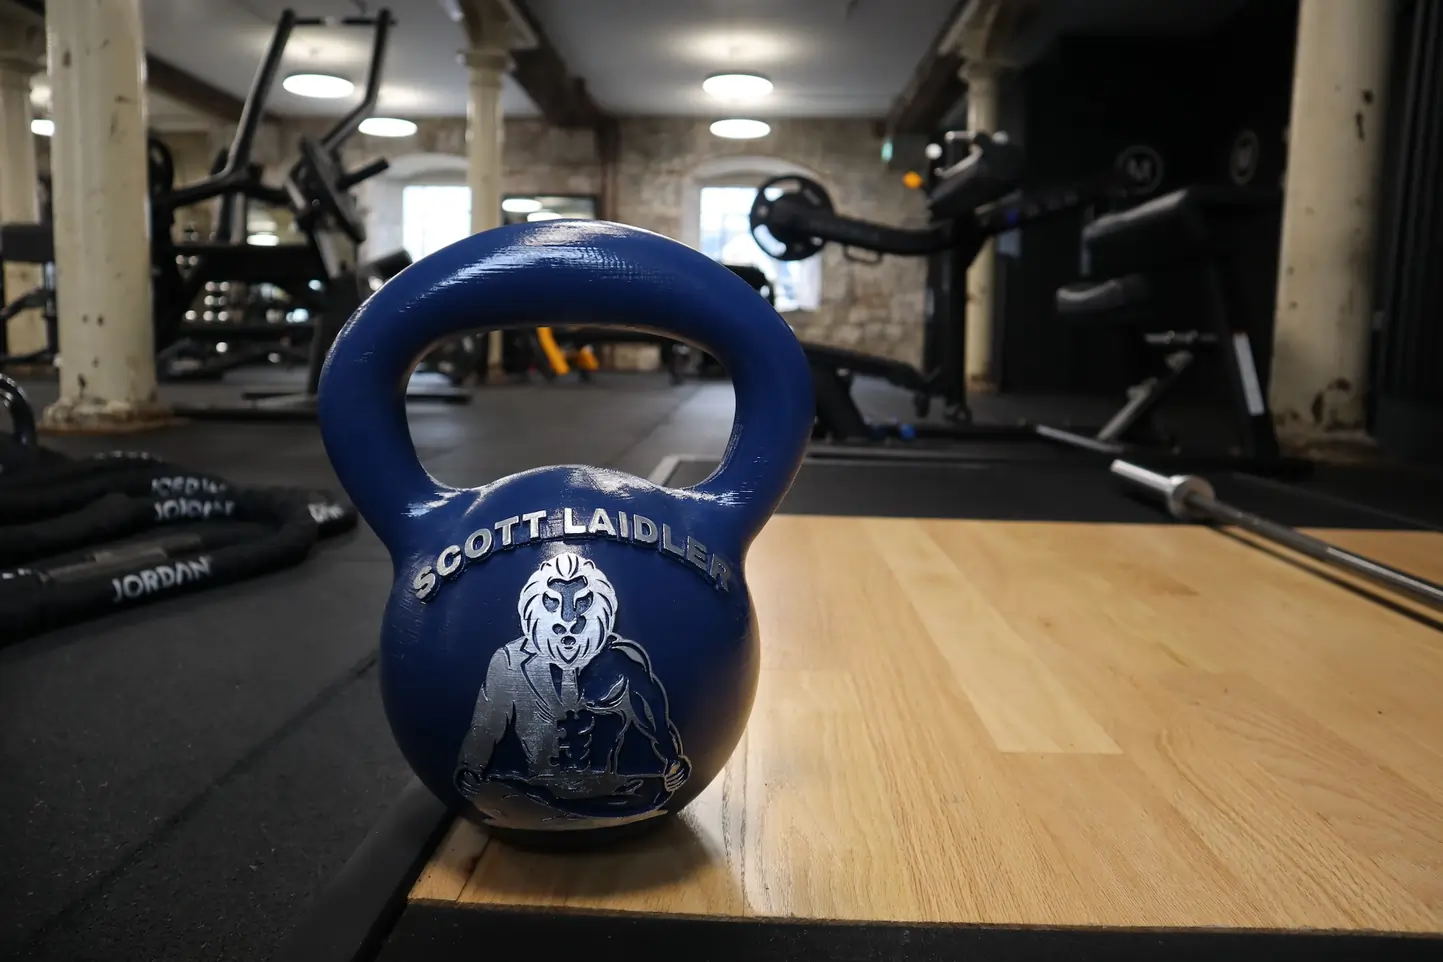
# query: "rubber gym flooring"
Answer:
x=181 y=779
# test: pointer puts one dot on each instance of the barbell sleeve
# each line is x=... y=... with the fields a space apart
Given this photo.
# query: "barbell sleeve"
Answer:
x=1190 y=498
x=1175 y=491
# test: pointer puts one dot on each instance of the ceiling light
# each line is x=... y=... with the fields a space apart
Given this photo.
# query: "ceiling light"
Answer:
x=544 y=215
x=42 y=126
x=387 y=127
x=521 y=205
x=737 y=86
x=319 y=85
x=263 y=239
x=736 y=128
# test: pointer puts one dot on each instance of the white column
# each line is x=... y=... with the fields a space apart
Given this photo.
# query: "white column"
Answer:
x=982 y=82
x=22 y=54
x=485 y=134
x=1325 y=271
x=102 y=242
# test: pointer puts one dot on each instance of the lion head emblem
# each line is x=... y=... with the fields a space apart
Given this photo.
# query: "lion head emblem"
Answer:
x=567 y=608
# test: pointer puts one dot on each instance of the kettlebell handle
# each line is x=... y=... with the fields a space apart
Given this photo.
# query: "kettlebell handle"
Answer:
x=562 y=272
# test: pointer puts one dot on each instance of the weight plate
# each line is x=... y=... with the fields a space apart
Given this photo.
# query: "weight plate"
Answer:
x=795 y=191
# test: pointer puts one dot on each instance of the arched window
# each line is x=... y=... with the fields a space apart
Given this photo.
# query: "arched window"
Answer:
x=420 y=203
x=717 y=198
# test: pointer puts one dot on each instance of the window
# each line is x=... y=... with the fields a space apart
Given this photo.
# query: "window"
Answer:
x=521 y=208
x=725 y=235
x=433 y=216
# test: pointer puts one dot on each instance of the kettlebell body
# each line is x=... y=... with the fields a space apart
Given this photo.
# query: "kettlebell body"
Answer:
x=570 y=649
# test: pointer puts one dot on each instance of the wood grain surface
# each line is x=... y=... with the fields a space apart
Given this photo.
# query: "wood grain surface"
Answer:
x=1128 y=725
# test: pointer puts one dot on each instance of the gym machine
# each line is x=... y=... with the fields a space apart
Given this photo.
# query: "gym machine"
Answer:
x=974 y=199
x=1193 y=232
x=300 y=273
x=30 y=244
x=21 y=414
x=1174 y=256
x=347 y=291
x=316 y=190
x=203 y=342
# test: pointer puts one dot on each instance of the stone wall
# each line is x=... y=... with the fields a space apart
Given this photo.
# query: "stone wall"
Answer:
x=870 y=307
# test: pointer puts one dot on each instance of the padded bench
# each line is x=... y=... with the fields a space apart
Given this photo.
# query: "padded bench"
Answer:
x=901 y=374
x=1187 y=225
x=1185 y=252
x=1111 y=299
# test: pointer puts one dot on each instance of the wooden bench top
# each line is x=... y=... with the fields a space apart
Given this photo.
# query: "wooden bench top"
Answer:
x=1055 y=724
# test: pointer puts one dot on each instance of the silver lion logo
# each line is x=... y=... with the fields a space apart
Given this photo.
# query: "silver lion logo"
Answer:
x=571 y=727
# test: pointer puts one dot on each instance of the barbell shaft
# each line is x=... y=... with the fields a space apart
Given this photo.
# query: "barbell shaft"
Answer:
x=1190 y=498
x=1415 y=587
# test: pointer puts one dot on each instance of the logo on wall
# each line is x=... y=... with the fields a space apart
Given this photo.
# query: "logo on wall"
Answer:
x=571 y=724
x=1243 y=158
x=1141 y=168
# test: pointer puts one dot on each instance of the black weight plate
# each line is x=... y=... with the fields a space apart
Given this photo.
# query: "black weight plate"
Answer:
x=793 y=189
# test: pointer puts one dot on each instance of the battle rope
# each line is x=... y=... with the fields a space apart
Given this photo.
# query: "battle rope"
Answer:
x=80 y=538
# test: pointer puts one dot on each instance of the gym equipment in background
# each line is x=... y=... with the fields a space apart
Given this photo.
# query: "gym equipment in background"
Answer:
x=569 y=650
x=182 y=269
x=1195 y=232
x=974 y=199
x=30 y=244
x=312 y=278
x=559 y=358
x=22 y=415
x=346 y=295
x=1191 y=498
x=1174 y=257
x=317 y=191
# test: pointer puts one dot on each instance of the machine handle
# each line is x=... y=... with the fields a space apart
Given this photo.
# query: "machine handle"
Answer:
x=787 y=217
x=365 y=173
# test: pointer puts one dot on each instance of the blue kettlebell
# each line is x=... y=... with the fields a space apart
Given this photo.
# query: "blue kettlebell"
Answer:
x=570 y=649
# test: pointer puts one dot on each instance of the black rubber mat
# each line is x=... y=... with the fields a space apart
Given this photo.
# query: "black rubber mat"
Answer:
x=438 y=930
x=1072 y=490
x=177 y=781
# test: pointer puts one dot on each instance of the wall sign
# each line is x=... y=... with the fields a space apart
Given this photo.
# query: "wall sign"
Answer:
x=1141 y=168
x=1243 y=158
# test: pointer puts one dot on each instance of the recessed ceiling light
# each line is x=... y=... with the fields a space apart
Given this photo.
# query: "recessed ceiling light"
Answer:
x=322 y=86
x=737 y=86
x=543 y=215
x=521 y=205
x=737 y=128
x=387 y=127
x=42 y=126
